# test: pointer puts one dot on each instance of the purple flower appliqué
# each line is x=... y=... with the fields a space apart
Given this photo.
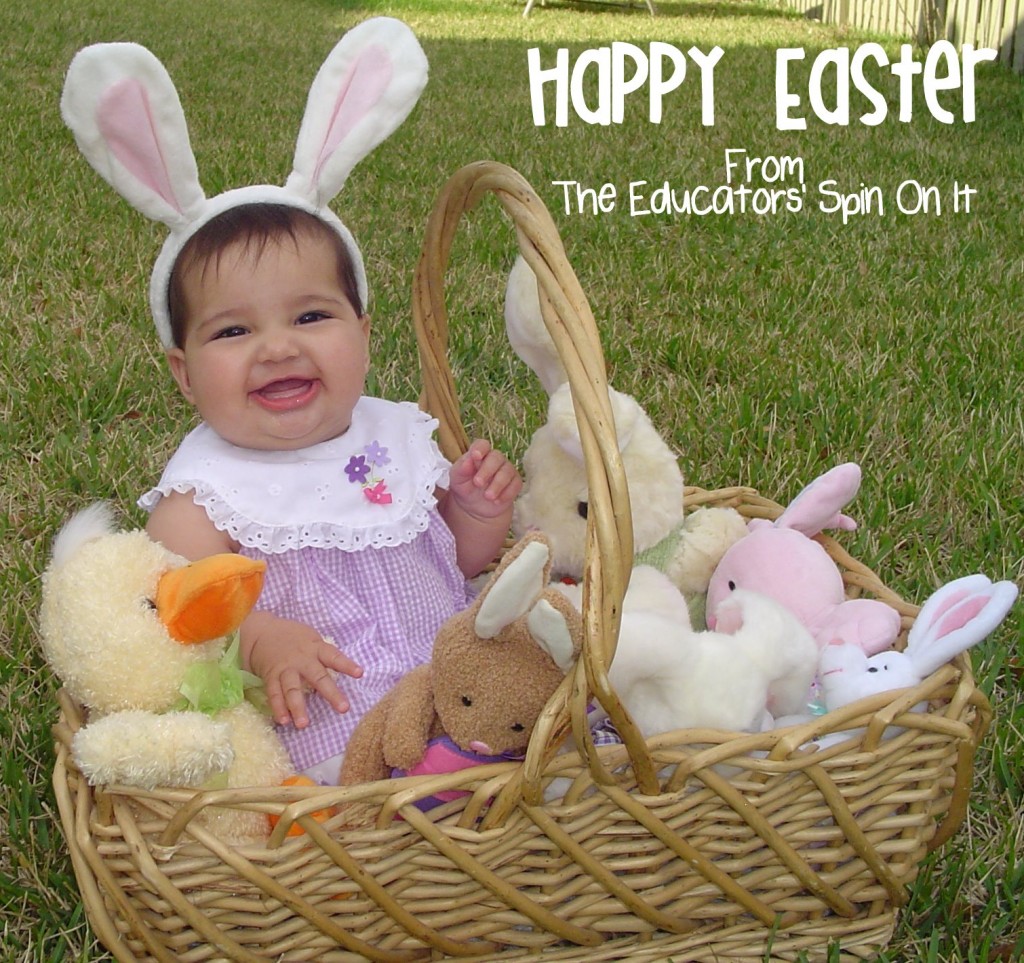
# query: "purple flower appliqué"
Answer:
x=357 y=469
x=377 y=454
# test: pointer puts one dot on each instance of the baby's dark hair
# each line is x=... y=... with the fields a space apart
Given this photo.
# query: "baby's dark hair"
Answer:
x=255 y=226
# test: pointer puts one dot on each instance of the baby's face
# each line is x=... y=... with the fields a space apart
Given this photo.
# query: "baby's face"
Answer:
x=275 y=356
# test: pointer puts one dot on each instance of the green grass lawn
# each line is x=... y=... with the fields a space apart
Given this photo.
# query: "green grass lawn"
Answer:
x=766 y=347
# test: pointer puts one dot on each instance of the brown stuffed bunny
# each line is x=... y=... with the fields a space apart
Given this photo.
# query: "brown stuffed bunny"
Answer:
x=494 y=667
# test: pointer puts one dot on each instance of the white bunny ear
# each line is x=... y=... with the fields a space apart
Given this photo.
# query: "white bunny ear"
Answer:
x=124 y=111
x=366 y=87
x=955 y=617
x=524 y=324
x=626 y=415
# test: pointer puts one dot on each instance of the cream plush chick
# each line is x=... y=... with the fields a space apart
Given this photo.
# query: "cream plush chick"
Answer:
x=555 y=497
x=128 y=627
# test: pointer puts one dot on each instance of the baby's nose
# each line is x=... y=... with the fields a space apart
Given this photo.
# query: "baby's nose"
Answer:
x=278 y=345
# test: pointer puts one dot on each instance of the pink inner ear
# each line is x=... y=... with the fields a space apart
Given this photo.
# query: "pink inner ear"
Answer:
x=952 y=599
x=363 y=86
x=959 y=616
x=126 y=122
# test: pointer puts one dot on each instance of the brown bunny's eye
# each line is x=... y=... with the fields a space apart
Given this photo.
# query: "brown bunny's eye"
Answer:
x=467 y=701
x=518 y=727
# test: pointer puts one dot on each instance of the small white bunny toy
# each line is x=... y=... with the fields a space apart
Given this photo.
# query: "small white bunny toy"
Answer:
x=555 y=497
x=124 y=111
x=957 y=616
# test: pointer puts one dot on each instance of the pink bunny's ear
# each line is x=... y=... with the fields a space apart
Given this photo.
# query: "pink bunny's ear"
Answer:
x=816 y=508
x=124 y=111
x=366 y=87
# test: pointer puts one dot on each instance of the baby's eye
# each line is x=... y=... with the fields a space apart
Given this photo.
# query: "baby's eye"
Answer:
x=311 y=316
x=234 y=331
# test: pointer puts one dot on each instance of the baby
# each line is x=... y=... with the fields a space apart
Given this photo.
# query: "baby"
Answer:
x=333 y=490
x=260 y=298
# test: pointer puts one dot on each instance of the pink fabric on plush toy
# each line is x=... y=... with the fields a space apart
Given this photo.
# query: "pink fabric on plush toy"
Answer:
x=782 y=560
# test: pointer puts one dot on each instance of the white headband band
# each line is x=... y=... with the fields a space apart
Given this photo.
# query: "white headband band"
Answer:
x=124 y=111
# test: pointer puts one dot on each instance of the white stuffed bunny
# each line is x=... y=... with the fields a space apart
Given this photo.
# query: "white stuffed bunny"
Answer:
x=669 y=676
x=555 y=497
x=125 y=114
x=955 y=617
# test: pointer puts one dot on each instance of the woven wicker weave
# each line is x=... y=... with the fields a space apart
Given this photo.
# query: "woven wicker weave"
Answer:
x=649 y=852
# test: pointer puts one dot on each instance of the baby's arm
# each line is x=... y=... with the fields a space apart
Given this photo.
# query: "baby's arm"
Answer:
x=483 y=484
x=289 y=656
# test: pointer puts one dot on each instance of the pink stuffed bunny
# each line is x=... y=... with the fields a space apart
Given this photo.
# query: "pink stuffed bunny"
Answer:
x=782 y=560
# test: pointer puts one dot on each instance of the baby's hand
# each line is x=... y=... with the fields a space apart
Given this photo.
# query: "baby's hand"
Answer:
x=291 y=659
x=483 y=482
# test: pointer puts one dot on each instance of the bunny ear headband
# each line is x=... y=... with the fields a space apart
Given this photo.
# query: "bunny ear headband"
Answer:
x=124 y=111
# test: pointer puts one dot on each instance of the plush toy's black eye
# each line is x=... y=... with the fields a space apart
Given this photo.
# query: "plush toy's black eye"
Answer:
x=518 y=727
x=582 y=508
x=732 y=585
x=873 y=668
x=467 y=701
x=150 y=604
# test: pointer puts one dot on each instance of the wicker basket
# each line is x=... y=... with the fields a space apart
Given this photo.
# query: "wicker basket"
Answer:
x=650 y=853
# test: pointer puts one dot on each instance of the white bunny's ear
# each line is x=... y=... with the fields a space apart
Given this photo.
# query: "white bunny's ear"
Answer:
x=524 y=324
x=955 y=617
x=626 y=415
x=124 y=111
x=366 y=87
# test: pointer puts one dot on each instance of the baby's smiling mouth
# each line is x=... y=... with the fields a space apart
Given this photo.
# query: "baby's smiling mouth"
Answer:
x=286 y=394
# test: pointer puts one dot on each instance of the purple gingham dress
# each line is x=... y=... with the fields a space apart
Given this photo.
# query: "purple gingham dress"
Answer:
x=353 y=543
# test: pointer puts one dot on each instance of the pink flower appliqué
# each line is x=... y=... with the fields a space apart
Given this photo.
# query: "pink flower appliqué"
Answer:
x=378 y=494
x=360 y=472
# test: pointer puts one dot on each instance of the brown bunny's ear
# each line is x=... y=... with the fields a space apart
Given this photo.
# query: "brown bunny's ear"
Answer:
x=556 y=627
x=516 y=585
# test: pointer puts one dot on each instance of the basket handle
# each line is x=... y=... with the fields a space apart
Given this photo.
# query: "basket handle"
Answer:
x=609 y=545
